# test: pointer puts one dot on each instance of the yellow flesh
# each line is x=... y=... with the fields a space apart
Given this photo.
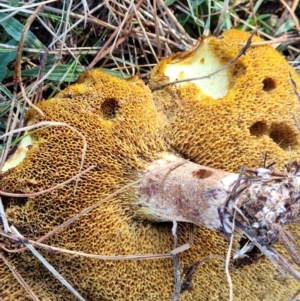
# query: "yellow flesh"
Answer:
x=19 y=155
x=200 y=62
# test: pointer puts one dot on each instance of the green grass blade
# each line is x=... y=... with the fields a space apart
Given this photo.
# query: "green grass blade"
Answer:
x=64 y=73
x=6 y=56
x=14 y=28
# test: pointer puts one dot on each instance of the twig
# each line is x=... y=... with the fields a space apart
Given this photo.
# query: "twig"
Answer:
x=20 y=279
x=290 y=245
x=55 y=123
x=216 y=32
x=156 y=26
x=291 y=11
x=227 y=262
x=295 y=295
x=274 y=41
x=18 y=76
x=51 y=269
x=296 y=121
x=22 y=8
x=253 y=10
x=175 y=24
x=3 y=217
x=105 y=50
x=22 y=195
x=295 y=87
x=189 y=272
x=65 y=30
x=278 y=261
x=54 y=249
x=9 y=125
x=176 y=266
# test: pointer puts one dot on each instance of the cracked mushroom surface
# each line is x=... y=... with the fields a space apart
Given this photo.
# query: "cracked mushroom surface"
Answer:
x=124 y=133
x=239 y=116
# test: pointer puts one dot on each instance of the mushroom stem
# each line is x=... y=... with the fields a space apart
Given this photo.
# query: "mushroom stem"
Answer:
x=180 y=190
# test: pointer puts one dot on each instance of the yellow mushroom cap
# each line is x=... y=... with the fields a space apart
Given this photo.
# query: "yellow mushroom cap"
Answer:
x=234 y=117
x=124 y=134
x=119 y=121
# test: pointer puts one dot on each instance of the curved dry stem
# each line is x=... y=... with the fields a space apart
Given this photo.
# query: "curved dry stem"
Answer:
x=50 y=268
x=49 y=248
x=18 y=76
x=55 y=123
x=22 y=195
x=19 y=278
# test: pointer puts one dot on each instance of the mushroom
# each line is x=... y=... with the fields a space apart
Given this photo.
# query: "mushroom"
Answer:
x=129 y=139
x=239 y=116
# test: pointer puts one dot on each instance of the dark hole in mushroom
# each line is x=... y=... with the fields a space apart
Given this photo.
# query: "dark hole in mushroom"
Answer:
x=249 y=258
x=269 y=84
x=258 y=128
x=237 y=71
x=284 y=136
x=109 y=108
x=9 y=202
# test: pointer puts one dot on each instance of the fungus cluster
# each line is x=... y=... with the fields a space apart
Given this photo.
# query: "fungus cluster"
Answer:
x=223 y=122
